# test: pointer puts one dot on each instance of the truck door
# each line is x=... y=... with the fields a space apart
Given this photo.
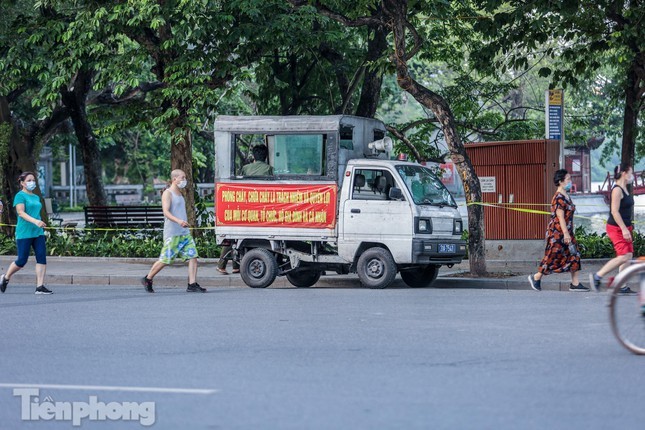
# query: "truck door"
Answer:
x=370 y=216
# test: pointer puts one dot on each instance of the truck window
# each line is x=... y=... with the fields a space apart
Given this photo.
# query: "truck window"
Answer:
x=289 y=154
x=347 y=137
x=372 y=184
x=424 y=186
x=244 y=144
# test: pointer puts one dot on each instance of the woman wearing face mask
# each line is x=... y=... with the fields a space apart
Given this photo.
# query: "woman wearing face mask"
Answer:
x=178 y=243
x=29 y=233
x=560 y=254
x=619 y=226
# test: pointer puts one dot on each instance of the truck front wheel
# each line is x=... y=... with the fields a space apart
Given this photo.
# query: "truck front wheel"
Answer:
x=376 y=268
x=258 y=268
x=420 y=277
x=303 y=278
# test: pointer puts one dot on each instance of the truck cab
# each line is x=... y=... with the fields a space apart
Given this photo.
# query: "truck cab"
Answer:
x=334 y=201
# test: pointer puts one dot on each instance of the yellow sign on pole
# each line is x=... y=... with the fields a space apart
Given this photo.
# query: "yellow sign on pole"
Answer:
x=555 y=97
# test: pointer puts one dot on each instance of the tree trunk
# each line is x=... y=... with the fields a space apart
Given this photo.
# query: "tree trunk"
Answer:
x=630 y=117
x=75 y=101
x=397 y=10
x=20 y=157
x=373 y=79
x=8 y=135
x=181 y=157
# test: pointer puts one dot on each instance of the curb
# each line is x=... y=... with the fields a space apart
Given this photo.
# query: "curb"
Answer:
x=233 y=281
x=498 y=284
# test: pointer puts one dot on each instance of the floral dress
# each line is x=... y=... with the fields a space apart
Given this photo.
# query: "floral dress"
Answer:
x=557 y=257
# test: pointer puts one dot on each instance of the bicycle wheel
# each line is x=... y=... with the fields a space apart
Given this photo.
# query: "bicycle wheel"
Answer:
x=625 y=311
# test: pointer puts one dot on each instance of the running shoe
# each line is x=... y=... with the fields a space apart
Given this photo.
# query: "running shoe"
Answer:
x=595 y=281
x=535 y=284
x=195 y=288
x=147 y=284
x=3 y=283
x=626 y=291
x=43 y=290
x=579 y=288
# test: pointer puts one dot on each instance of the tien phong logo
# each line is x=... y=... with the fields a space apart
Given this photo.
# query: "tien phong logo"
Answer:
x=35 y=409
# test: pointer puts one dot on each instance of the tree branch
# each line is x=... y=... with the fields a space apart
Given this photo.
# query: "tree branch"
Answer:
x=107 y=97
x=401 y=136
x=324 y=10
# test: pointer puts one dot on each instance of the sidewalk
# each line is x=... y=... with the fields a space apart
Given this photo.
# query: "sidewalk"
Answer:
x=128 y=271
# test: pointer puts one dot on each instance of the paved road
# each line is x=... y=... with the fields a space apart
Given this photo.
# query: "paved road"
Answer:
x=324 y=358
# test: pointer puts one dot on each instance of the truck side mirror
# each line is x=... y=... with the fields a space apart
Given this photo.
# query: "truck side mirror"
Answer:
x=395 y=194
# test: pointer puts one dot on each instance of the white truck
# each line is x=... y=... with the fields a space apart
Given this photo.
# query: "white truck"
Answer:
x=335 y=202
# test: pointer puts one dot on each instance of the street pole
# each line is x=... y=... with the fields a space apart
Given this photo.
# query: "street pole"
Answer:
x=554 y=119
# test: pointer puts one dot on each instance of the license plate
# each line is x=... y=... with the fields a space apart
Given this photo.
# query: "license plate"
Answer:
x=447 y=248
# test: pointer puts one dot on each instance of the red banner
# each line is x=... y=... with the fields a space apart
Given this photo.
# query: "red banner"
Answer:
x=276 y=205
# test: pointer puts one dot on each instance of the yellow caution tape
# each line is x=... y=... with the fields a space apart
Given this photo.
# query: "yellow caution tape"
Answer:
x=532 y=211
x=49 y=227
x=506 y=206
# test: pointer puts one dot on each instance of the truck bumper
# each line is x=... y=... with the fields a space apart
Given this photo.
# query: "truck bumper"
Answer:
x=438 y=251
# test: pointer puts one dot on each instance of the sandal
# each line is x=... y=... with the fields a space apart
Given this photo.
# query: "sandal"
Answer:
x=236 y=270
x=222 y=271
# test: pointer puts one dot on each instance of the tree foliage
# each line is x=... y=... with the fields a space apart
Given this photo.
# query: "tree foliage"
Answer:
x=582 y=38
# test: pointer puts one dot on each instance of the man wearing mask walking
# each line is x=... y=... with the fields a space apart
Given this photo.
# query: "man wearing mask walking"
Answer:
x=178 y=242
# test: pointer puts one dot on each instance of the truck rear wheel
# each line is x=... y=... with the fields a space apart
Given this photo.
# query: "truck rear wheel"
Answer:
x=258 y=268
x=420 y=277
x=376 y=268
x=303 y=278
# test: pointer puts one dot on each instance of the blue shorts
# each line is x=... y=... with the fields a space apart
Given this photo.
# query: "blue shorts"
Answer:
x=24 y=245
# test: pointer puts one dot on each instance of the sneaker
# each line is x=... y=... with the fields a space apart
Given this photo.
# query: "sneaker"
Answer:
x=595 y=281
x=195 y=288
x=3 y=283
x=147 y=284
x=579 y=288
x=535 y=284
x=626 y=291
x=43 y=290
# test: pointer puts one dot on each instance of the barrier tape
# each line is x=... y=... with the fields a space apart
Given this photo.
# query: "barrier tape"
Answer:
x=49 y=227
x=533 y=211
x=549 y=204
x=506 y=206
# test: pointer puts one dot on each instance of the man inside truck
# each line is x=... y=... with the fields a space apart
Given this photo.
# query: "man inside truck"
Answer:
x=259 y=166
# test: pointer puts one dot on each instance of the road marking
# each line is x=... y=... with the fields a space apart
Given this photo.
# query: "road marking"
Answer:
x=114 y=388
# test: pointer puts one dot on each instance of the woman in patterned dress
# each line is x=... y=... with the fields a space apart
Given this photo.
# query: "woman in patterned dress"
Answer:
x=559 y=256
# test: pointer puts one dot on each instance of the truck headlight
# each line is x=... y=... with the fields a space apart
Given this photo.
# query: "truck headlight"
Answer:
x=458 y=227
x=424 y=225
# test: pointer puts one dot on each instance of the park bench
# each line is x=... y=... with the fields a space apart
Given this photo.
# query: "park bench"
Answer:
x=124 y=216
x=54 y=216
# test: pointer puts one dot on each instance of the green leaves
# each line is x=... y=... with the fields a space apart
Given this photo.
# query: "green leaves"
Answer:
x=544 y=72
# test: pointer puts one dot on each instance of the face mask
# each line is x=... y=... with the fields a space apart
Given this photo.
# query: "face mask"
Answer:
x=567 y=187
x=30 y=185
x=182 y=184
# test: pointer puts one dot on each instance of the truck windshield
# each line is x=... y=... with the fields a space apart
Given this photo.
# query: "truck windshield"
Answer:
x=424 y=186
